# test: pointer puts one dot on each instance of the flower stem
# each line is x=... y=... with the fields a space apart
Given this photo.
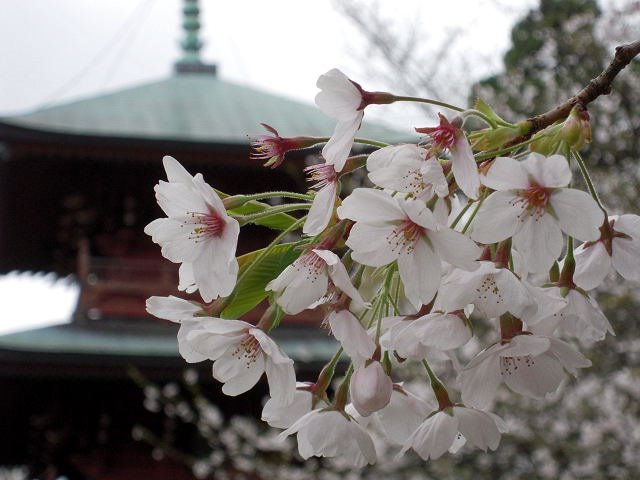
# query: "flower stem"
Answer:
x=508 y=149
x=475 y=211
x=587 y=179
x=299 y=196
x=373 y=143
x=427 y=100
x=289 y=207
x=461 y=214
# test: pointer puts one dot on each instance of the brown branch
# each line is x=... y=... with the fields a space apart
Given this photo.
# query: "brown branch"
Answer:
x=601 y=85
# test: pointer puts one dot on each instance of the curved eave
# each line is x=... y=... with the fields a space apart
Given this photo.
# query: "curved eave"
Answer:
x=191 y=108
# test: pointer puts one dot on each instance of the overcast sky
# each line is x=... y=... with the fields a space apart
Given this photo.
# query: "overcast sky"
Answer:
x=56 y=50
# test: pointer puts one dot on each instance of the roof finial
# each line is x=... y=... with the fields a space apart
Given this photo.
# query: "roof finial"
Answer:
x=191 y=43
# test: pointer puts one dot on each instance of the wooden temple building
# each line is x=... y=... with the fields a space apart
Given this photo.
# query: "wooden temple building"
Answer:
x=76 y=190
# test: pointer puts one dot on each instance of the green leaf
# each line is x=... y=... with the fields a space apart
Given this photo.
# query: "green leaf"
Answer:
x=252 y=291
x=279 y=221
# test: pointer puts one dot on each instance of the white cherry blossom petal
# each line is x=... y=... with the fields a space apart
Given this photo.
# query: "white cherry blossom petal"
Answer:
x=577 y=213
x=465 y=170
x=505 y=173
x=370 y=206
x=551 y=172
x=321 y=210
x=336 y=150
x=539 y=241
x=593 y=263
x=497 y=218
x=351 y=334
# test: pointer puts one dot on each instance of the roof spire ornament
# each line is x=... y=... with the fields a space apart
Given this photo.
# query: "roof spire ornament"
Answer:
x=191 y=43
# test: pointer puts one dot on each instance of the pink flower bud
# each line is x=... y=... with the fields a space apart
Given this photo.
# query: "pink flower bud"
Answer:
x=370 y=389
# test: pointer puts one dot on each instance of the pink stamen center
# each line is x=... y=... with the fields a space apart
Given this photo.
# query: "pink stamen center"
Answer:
x=405 y=236
x=322 y=174
x=206 y=226
x=534 y=201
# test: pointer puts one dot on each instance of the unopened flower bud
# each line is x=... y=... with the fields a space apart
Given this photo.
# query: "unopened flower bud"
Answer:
x=370 y=388
x=493 y=138
x=576 y=130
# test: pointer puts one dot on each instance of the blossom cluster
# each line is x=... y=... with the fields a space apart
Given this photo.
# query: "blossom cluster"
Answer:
x=455 y=229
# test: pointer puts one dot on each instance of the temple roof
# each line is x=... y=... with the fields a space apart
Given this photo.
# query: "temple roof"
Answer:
x=192 y=107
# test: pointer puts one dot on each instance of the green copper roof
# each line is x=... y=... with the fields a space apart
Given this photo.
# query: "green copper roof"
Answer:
x=192 y=107
x=125 y=339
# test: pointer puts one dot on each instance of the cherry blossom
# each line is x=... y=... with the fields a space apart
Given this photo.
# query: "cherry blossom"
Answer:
x=532 y=365
x=343 y=99
x=389 y=229
x=331 y=433
x=197 y=230
x=532 y=204
x=451 y=428
x=448 y=135
x=492 y=290
x=404 y=413
x=403 y=168
x=279 y=415
x=413 y=338
x=580 y=317
x=241 y=354
x=305 y=281
x=618 y=246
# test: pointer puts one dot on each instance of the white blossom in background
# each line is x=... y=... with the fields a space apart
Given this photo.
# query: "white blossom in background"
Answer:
x=241 y=354
x=532 y=365
x=197 y=230
x=389 y=229
x=618 y=246
x=532 y=204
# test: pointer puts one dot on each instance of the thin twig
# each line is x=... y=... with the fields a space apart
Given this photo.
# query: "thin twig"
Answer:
x=601 y=85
